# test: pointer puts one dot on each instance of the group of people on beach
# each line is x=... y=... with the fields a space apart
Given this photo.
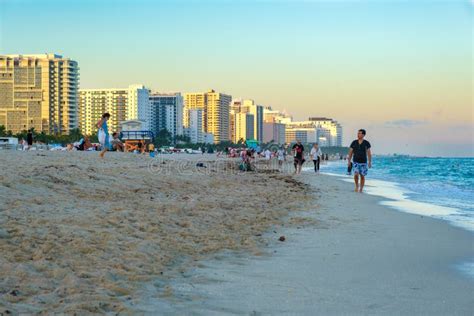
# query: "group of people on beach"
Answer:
x=359 y=159
x=315 y=154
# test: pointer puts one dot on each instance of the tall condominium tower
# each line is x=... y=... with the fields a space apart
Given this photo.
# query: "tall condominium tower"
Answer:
x=215 y=108
x=167 y=112
x=123 y=104
x=40 y=92
x=248 y=107
x=193 y=125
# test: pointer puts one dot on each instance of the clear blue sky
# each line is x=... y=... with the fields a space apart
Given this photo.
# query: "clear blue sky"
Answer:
x=401 y=69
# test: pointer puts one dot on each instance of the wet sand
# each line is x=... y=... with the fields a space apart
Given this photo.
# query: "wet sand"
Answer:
x=359 y=258
x=83 y=235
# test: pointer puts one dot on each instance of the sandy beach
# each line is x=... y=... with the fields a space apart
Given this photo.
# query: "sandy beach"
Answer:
x=82 y=235
x=359 y=258
x=134 y=235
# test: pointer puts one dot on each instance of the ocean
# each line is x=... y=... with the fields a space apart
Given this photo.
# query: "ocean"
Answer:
x=438 y=187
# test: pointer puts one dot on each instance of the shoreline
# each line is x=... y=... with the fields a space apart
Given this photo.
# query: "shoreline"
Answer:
x=359 y=258
x=397 y=196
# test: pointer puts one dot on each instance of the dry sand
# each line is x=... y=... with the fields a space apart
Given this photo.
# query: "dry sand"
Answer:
x=83 y=235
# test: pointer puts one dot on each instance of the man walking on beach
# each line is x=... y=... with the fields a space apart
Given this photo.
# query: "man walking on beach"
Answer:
x=298 y=153
x=360 y=150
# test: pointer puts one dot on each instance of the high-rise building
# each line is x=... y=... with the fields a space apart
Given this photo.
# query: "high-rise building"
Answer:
x=274 y=125
x=270 y=116
x=215 y=108
x=139 y=105
x=167 y=113
x=241 y=126
x=249 y=107
x=274 y=132
x=130 y=103
x=193 y=125
x=40 y=92
x=328 y=132
x=304 y=134
x=330 y=129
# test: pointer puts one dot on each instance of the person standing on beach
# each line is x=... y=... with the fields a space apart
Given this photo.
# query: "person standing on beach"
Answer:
x=281 y=156
x=361 y=156
x=298 y=153
x=316 y=156
x=268 y=156
x=29 y=139
x=104 y=142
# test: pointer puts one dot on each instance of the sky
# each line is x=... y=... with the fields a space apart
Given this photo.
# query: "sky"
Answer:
x=403 y=70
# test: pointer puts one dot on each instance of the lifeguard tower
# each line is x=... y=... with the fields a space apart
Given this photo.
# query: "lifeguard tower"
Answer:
x=134 y=137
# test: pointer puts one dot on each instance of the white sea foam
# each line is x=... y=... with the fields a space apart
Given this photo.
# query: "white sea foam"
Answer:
x=398 y=199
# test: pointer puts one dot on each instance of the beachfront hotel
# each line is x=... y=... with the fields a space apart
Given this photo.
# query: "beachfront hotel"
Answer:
x=40 y=92
x=167 y=113
x=130 y=103
x=241 y=126
x=254 y=113
x=270 y=116
x=215 y=106
x=193 y=125
x=274 y=132
x=274 y=125
x=327 y=132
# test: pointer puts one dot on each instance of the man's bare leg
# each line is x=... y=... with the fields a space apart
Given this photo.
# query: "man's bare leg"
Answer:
x=356 y=181
x=362 y=182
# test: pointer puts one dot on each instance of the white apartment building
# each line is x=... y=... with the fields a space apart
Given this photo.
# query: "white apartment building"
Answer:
x=328 y=132
x=270 y=116
x=304 y=134
x=193 y=125
x=130 y=103
x=329 y=129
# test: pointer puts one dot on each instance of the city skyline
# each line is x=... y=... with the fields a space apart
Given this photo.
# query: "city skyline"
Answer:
x=405 y=77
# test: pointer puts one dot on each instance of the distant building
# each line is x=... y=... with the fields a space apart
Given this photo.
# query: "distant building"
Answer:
x=325 y=131
x=130 y=103
x=40 y=92
x=304 y=134
x=249 y=107
x=330 y=130
x=167 y=113
x=274 y=132
x=241 y=126
x=270 y=115
x=193 y=125
x=139 y=105
x=216 y=113
x=274 y=125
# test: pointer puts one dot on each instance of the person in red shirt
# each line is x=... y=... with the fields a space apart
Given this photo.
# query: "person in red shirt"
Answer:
x=298 y=153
